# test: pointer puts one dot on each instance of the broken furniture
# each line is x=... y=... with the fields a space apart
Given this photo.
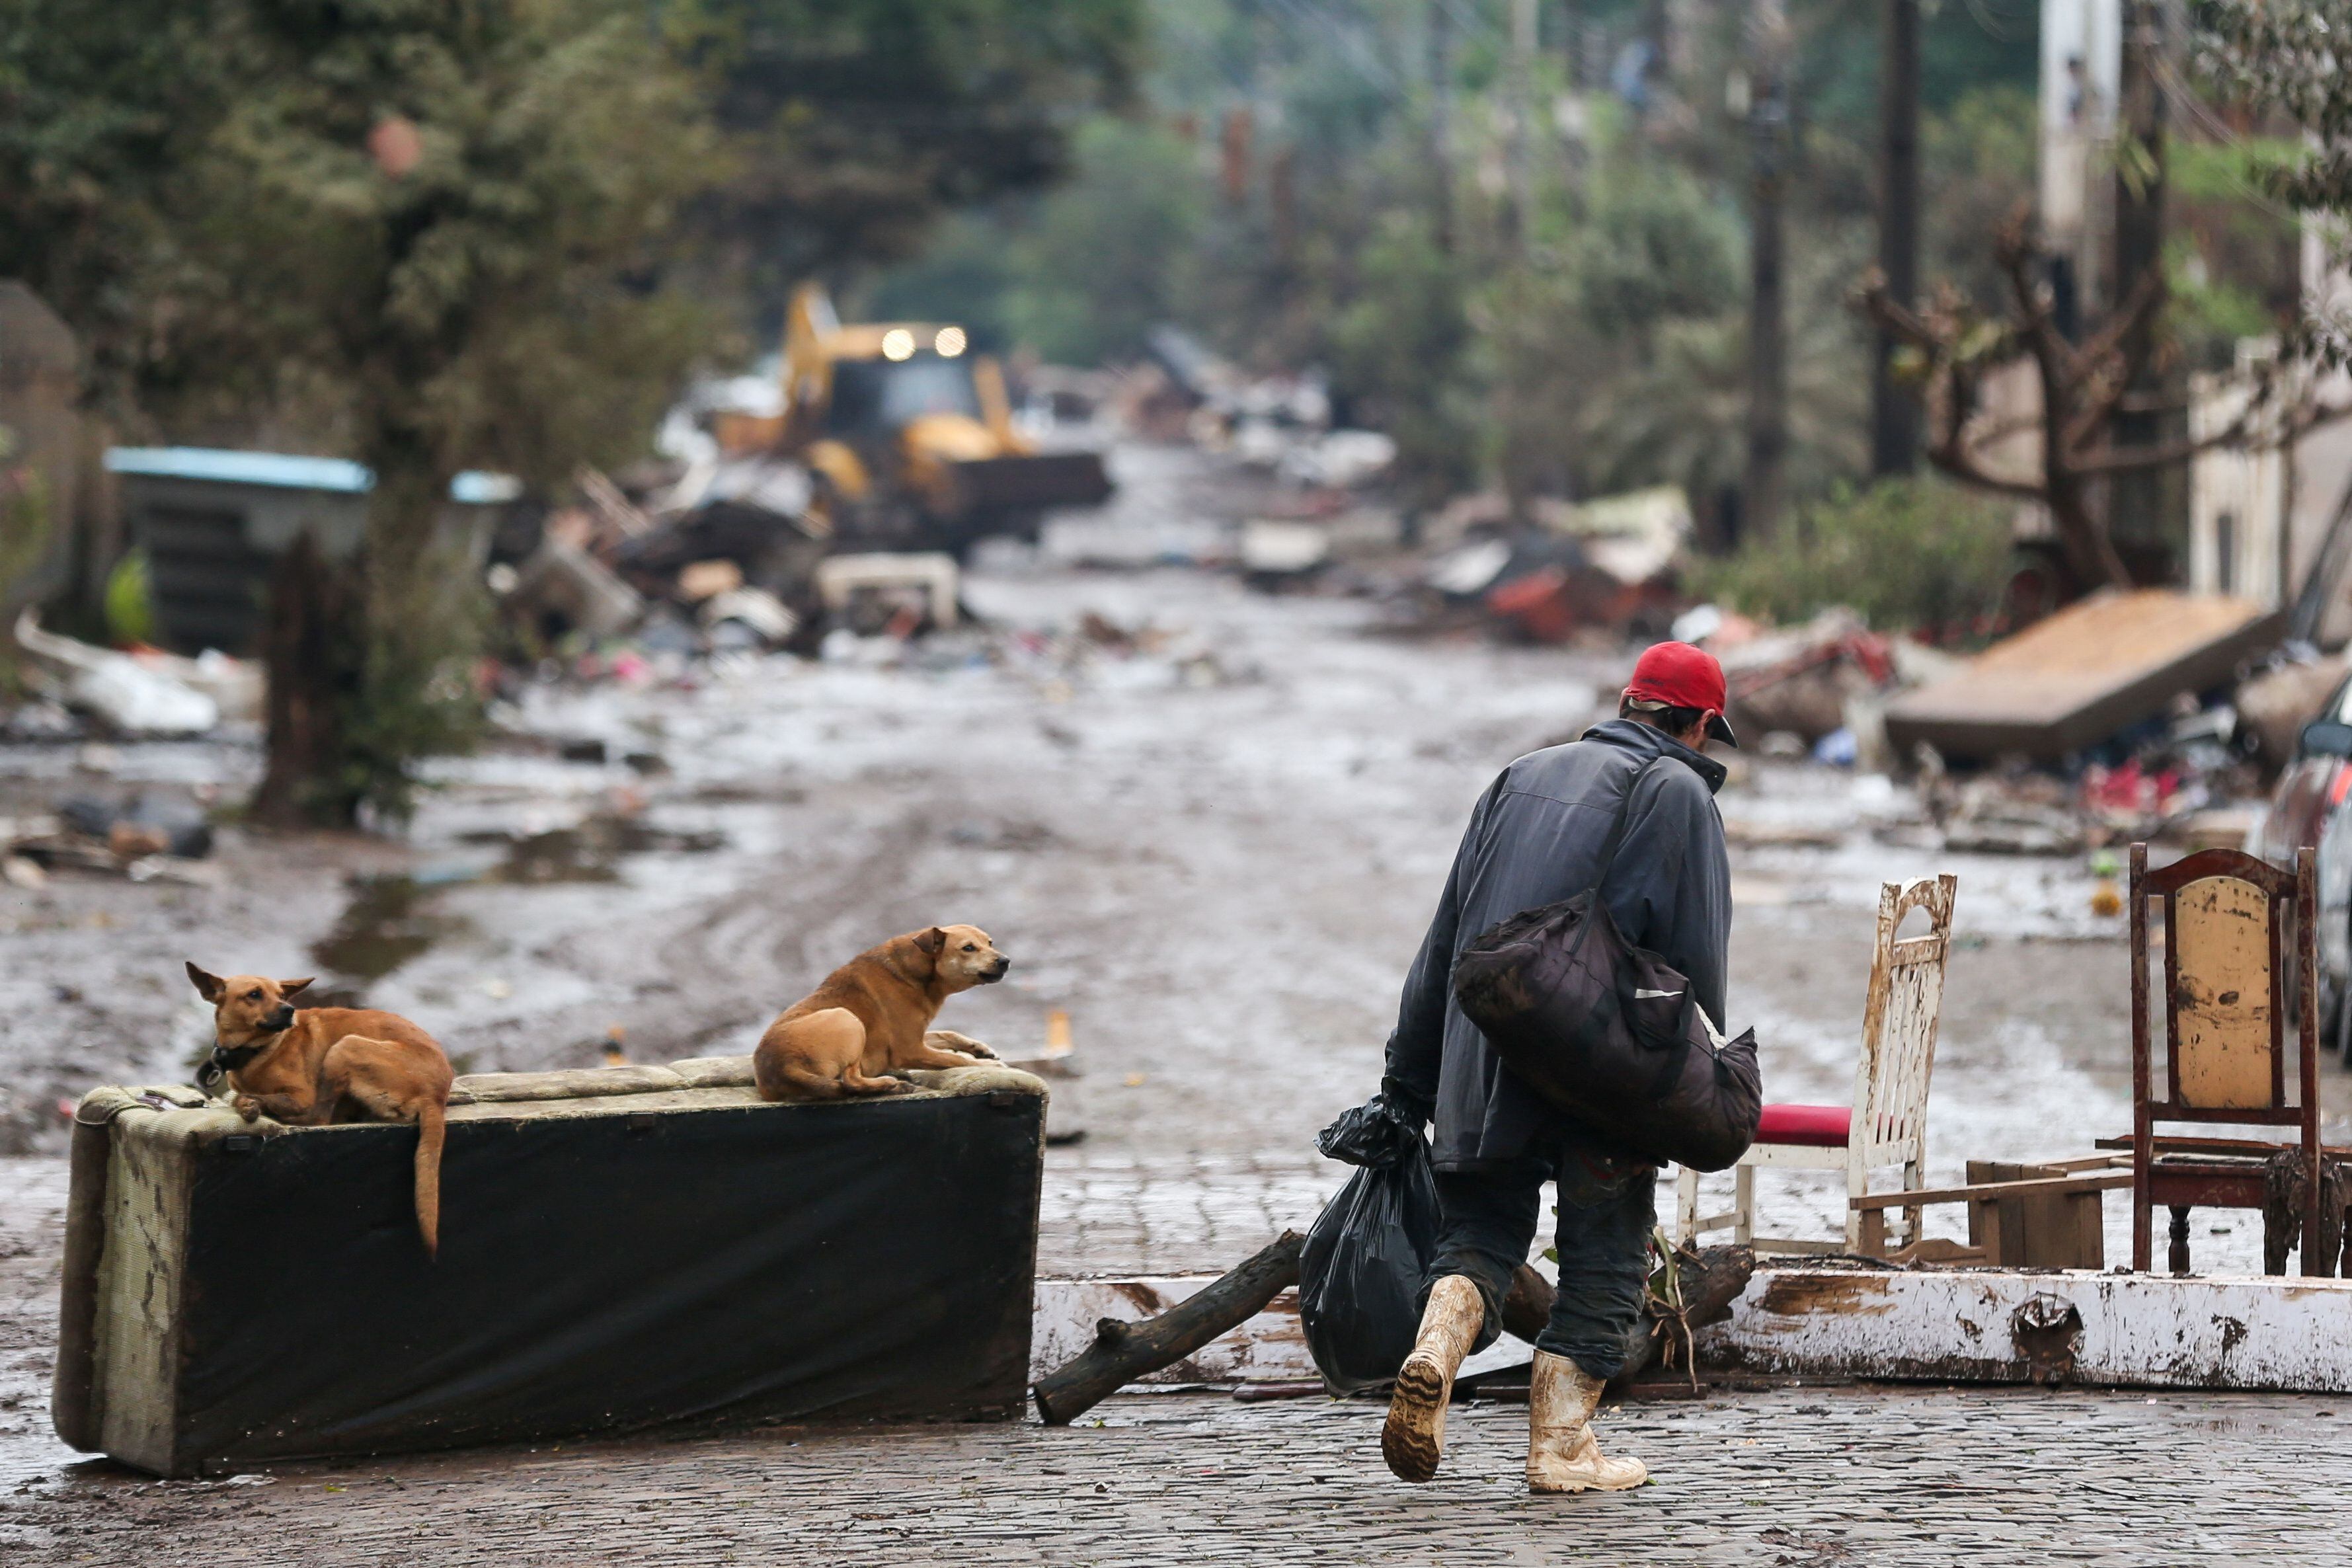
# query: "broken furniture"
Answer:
x=2050 y=1218
x=621 y=1248
x=929 y=574
x=2078 y=677
x=2225 y=1000
x=1888 y=1123
x=2062 y=1226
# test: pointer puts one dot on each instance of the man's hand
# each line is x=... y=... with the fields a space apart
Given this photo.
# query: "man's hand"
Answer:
x=1379 y=1133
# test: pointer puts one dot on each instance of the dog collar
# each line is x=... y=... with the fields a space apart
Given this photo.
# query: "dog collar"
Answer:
x=231 y=1058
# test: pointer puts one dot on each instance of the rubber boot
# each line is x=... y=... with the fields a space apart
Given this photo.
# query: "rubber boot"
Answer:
x=1414 y=1434
x=1562 y=1456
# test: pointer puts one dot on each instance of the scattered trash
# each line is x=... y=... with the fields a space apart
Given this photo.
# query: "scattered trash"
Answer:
x=746 y=618
x=1283 y=549
x=924 y=582
x=114 y=686
x=561 y=587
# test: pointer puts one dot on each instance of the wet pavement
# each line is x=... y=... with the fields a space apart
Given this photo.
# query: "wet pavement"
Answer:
x=1801 y=1478
x=1211 y=840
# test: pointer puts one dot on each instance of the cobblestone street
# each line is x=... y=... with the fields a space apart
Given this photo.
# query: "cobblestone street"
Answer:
x=1794 y=1476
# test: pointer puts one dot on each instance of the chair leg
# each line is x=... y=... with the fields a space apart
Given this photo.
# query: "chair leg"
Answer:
x=2143 y=1226
x=1743 y=1203
x=2178 y=1256
x=1915 y=1221
x=1685 y=1206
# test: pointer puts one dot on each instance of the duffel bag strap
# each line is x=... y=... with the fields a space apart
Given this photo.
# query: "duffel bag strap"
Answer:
x=1617 y=828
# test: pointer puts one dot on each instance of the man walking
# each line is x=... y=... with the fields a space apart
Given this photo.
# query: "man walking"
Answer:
x=1539 y=836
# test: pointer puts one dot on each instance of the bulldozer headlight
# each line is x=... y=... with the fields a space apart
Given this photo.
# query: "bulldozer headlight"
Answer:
x=898 y=343
x=949 y=343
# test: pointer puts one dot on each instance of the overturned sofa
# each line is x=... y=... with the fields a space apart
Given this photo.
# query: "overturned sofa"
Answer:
x=620 y=1249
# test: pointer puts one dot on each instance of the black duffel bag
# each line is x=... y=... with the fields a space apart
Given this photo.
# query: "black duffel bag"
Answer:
x=1609 y=1033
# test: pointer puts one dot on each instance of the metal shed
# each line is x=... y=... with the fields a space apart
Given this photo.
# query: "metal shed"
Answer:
x=210 y=521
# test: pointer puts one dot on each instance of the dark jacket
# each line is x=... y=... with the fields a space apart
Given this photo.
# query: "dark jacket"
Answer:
x=1536 y=839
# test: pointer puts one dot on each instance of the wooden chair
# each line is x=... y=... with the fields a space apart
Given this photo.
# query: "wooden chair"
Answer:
x=1888 y=1123
x=2228 y=916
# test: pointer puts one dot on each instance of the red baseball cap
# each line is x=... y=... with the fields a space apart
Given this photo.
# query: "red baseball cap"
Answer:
x=1676 y=675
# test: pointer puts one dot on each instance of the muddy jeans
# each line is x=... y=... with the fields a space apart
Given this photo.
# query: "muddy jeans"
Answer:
x=1607 y=1208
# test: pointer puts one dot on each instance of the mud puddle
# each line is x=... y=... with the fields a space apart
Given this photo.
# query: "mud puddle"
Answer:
x=394 y=919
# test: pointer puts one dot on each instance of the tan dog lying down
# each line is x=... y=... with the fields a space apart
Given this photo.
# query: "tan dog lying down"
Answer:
x=324 y=1065
x=873 y=1016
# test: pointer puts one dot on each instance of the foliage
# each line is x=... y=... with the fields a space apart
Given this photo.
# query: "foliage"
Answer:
x=1914 y=554
x=851 y=126
x=1977 y=162
x=2289 y=59
x=1399 y=348
x=1135 y=202
x=216 y=225
x=1606 y=351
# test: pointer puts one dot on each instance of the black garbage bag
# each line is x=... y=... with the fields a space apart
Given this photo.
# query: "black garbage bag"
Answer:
x=1360 y=1273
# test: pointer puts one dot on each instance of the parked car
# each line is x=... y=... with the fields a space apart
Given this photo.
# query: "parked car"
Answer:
x=2312 y=809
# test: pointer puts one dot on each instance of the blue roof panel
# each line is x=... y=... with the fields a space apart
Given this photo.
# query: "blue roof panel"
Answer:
x=277 y=468
x=282 y=471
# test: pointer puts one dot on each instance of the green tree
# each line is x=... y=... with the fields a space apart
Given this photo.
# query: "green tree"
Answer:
x=852 y=126
x=431 y=227
x=1098 y=268
x=1912 y=555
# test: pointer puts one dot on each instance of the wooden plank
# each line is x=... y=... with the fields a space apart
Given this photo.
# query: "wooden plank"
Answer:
x=2085 y=673
x=2093 y=1181
x=2191 y=1143
x=1986 y=1325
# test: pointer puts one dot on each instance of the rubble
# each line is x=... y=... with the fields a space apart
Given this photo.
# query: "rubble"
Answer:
x=153 y=835
x=562 y=586
x=2085 y=675
x=132 y=698
x=910 y=589
x=746 y=618
x=1271 y=549
x=2274 y=704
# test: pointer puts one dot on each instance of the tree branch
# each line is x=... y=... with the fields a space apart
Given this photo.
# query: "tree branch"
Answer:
x=2136 y=459
x=1958 y=463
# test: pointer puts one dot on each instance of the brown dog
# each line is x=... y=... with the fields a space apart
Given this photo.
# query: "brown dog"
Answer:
x=326 y=1064
x=873 y=1016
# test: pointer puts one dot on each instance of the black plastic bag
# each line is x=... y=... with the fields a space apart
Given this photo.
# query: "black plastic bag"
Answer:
x=1360 y=1273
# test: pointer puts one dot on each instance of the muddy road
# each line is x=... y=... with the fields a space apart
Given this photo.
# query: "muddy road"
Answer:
x=1210 y=829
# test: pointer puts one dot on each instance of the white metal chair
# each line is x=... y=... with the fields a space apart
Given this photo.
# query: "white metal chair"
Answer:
x=1888 y=1123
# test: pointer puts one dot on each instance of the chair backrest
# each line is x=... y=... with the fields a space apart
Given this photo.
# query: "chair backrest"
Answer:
x=1898 y=1021
x=2227 y=918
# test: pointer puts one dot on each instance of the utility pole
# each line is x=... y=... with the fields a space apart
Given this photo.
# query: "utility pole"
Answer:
x=1894 y=413
x=1440 y=117
x=1519 y=215
x=1761 y=497
x=2147 y=511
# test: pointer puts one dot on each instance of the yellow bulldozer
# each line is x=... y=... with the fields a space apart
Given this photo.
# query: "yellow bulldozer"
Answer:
x=908 y=435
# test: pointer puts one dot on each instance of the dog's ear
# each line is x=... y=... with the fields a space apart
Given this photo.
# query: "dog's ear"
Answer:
x=289 y=988
x=208 y=986
x=931 y=940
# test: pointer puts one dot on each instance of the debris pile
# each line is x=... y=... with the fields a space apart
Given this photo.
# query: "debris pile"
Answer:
x=152 y=835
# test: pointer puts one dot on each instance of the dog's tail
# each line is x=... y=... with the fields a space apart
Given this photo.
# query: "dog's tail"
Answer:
x=429 y=1129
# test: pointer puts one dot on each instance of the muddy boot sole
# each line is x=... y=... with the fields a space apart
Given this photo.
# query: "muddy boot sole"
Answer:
x=1411 y=1438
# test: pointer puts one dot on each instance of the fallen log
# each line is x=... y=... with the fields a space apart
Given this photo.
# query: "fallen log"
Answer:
x=1711 y=1280
x=1123 y=1352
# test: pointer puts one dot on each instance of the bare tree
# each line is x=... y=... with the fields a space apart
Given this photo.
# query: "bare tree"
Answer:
x=1950 y=348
